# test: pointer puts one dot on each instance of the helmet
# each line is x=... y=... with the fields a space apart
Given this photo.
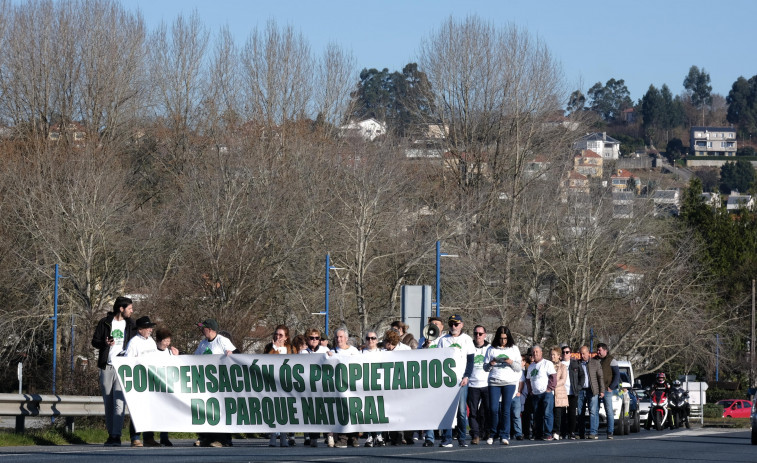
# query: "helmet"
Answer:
x=660 y=378
x=676 y=383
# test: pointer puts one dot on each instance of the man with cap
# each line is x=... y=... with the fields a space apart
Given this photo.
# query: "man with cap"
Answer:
x=459 y=340
x=213 y=343
x=112 y=334
x=142 y=345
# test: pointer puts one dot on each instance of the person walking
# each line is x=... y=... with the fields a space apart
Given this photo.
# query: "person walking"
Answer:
x=542 y=380
x=503 y=363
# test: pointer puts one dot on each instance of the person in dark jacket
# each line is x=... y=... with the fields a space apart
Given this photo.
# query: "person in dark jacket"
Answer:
x=576 y=379
x=112 y=334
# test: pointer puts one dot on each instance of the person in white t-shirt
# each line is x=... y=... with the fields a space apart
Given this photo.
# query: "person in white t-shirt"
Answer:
x=374 y=439
x=503 y=362
x=457 y=339
x=313 y=346
x=392 y=342
x=542 y=380
x=478 y=389
x=142 y=345
x=343 y=349
x=213 y=343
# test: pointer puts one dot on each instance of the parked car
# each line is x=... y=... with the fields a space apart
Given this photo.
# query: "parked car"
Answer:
x=736 y=408
x=754 y=424
x=643 y=399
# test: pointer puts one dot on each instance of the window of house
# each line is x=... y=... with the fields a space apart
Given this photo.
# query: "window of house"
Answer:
x=709 y=144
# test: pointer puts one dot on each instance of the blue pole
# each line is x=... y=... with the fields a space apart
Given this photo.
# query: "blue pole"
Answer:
x=55 y=326
x=328 y=268
x=438 y=276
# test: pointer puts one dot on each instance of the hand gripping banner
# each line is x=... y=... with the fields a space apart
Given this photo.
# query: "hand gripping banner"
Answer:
x=293 y=393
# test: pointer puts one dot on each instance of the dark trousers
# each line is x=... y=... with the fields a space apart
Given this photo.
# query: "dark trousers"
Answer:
x=478 y=404
x=568 y=425
x=559 y=413
x=527 y=418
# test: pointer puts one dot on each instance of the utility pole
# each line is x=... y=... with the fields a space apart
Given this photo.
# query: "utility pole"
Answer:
x=751 y=345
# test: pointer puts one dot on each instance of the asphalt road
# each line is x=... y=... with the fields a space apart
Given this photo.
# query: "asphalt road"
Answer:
x=694 y=445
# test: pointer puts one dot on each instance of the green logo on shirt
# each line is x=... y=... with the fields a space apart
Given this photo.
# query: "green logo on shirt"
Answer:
x=117 y=334
x=456 y=345
x=207 y=351
x=534 y=372
x=478 y=359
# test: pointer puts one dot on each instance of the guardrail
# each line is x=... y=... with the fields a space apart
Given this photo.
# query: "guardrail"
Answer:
x=67 y=406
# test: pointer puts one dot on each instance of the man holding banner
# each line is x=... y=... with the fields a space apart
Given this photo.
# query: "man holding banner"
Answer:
x=459 y=340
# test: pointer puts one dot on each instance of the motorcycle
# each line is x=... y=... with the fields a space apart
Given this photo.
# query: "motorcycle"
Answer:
x=658 y=410
x=679 y=408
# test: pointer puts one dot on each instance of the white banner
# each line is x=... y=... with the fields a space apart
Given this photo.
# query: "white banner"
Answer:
x=396 y=391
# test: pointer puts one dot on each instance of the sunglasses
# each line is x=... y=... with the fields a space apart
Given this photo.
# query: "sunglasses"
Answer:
x=480 y=334
x=566 y=352
x=314 y=338
x=454 y=323
x=370 y=338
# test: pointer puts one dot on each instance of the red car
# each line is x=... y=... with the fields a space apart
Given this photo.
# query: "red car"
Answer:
x=735 y=408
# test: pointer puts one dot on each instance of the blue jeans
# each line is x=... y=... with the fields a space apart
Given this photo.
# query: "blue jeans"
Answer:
x=587 y=398
x=543 y=417
x=462 y=418
x=607 y=401
x=500 y=413
x=515 y=407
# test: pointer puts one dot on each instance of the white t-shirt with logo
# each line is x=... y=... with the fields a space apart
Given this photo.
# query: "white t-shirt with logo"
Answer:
x=117 y=331
x=140 y=347
x=538 y=373
x=219 y=345
x=479 y=377
x=462 y=342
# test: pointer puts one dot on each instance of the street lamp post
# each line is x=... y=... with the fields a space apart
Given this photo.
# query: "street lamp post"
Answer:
x=439 y=255
x=54 y=318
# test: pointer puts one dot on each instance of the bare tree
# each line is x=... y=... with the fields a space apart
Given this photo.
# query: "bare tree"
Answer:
x=177 y=75
x=277 y=71
x=335 y=80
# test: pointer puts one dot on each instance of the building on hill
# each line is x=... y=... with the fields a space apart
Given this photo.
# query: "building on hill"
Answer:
x=713 y=141
x=600 y=143
x=588 y=163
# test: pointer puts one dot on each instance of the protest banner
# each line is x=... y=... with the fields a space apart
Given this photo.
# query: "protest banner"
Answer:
x=293 y=393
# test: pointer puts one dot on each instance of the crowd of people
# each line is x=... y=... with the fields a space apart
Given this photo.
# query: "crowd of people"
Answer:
x=505 y=393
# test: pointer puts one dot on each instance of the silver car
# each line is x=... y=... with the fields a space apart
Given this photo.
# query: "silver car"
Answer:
x=753 y=419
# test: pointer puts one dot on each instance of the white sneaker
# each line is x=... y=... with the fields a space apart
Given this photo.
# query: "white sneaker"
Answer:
x=556 y=436
x=330 y=441
x=369 y=441
x=504 y=441
x=489 y=441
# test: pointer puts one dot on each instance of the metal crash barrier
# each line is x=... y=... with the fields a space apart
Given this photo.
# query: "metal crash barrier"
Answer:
x=67 y=406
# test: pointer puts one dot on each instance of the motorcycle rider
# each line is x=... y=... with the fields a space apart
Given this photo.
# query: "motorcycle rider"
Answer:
x=681 y=412
x=659 y=385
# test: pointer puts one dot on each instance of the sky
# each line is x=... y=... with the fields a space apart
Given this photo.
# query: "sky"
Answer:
x=643 y=42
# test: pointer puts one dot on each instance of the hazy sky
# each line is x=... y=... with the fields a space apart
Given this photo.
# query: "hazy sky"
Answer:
x=644 y=42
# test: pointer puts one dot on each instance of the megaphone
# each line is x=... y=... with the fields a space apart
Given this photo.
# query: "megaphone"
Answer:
x=431 y=331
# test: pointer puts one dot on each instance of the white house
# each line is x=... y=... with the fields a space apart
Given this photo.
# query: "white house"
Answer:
x=600 y=143
x=368 y=129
